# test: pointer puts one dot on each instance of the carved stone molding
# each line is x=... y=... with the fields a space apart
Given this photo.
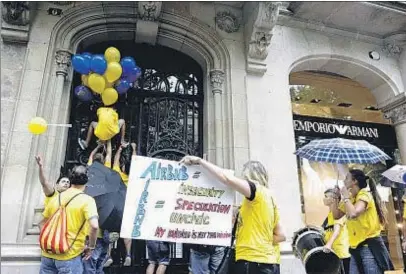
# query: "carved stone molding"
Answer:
x=63 y=61
x=227 y=21
x=217 y=77
x=149 y=10
x=16 y=16
x=260 y=34
x=396 y=111
x=62 y=3
x=391 y=49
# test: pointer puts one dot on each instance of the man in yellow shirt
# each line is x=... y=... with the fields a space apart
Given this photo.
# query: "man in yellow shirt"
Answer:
x=81 y=210
x=106 y=128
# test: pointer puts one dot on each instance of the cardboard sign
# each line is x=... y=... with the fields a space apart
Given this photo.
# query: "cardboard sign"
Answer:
x=176 y=203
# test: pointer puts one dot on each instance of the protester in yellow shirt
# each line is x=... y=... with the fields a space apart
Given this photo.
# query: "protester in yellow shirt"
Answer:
x=106 y=128
x=335 y=233
x=123 y=170
x=366 y=217
x=81 y=210
x=404 y=226
x=258 y=229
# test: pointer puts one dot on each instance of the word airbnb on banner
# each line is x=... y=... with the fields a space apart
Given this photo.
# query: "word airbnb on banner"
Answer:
x=156 y=171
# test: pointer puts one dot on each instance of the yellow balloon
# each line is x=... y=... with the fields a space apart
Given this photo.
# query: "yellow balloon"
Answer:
x=109 y=96
x=112 y=55
x=97 y=83
x=37 y=125
x=113 y=72
x=85 y=80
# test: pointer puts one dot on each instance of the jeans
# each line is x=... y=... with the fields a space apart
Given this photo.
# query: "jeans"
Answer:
x=158 y=253
x=52 y=266
x=244 y=267
x=368 y=262
x=206 y=263
x=95 y=263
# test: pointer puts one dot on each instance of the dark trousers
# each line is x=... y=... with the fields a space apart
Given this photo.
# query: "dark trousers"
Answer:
x=345 y=266
x=245 y=267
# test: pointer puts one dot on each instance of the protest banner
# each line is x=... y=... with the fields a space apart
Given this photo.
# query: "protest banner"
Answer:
x=170 y=202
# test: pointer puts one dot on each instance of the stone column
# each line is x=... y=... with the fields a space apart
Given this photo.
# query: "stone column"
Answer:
x=217 y=80
x=397 y=113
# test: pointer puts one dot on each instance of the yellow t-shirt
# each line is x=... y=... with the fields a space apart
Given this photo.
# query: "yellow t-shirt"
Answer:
x=278 y=253
x=123 y=176
x=365 y=226
x=341 y=244
x=79 y=211
x=49 y=198
x=107 y=126
x=106 y=164
x=256 y=224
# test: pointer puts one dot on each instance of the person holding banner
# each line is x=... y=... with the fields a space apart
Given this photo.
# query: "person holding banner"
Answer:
x=259 y=230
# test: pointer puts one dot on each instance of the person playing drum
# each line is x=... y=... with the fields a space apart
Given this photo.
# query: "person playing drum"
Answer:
x=366 y=217
x=335 y=232
x=258 y=229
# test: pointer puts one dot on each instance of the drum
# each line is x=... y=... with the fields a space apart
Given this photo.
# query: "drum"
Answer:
x=308 y=245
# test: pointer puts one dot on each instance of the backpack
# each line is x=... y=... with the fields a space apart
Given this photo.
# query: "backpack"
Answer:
x=53 y=238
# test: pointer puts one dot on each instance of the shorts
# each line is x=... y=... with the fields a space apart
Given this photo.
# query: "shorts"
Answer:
x=158 y=253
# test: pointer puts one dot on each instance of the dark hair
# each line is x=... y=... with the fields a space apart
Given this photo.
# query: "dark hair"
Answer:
x=62 y=176
x=363 y=181
x=78 y=175
x=98 y=157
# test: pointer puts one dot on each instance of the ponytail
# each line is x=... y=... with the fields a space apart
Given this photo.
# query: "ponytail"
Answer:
x=363 y=182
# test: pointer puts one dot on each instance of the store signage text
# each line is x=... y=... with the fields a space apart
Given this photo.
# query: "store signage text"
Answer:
x=330 y=128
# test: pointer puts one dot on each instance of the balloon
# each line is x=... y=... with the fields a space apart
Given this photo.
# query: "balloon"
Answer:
x=112 y=55
x=113 y=72
x=97 y=83
x=98 y=64
x=87 y=56
x=80 y=64
x=127 y=63
x=122 y=86
x=109 y=96
x=404 y=177
x=83 y=93
x=37 y=125
x=85 y=80
x=134 y=74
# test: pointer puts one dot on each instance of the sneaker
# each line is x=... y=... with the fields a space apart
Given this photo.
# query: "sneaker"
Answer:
x=109 y=262
x=82 y=144
x=127 y=261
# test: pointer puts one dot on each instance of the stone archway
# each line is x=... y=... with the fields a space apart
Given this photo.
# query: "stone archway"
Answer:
x=97 y=21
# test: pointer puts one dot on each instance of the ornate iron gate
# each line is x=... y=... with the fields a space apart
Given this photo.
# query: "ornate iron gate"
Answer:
x=163 y=115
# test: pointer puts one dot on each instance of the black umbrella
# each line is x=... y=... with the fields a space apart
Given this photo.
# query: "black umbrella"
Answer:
x=108 y=190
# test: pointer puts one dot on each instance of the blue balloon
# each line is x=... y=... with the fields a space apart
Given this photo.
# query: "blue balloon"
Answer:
x=134 y=74
x=127 y=63
x=83 y=93
x=98 y=64
x=80 y=64
x=122 y=86
x=87 y=56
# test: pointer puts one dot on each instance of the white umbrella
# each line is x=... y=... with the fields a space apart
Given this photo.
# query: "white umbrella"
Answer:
x=395 y=174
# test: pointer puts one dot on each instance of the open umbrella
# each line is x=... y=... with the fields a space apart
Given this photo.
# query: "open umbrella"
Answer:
x=342 y=151
x=108 y=190
x=394 y=177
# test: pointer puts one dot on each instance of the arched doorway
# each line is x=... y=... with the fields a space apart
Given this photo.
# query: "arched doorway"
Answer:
x=163 y=114
x=328 y=104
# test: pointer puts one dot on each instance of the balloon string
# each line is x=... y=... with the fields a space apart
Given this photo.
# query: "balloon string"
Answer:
x=60 y=125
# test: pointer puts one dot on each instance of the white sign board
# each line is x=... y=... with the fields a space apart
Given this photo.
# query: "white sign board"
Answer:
x=176 y=203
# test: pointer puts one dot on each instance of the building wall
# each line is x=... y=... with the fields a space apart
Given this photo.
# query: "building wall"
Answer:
x=260 y=127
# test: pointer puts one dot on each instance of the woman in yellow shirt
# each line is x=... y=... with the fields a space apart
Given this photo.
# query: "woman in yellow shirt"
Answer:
x=366 y=216
x=258 y=230
x=335 y=232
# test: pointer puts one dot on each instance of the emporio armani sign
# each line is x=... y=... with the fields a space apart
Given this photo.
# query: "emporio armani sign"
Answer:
x=331 y=128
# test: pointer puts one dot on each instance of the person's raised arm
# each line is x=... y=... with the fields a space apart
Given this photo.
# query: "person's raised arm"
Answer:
x=109 y=152
x=240 y=185
x=47 y=187
x=352 y=210
x=94 y=151
x=134 y=147
x=117 y=156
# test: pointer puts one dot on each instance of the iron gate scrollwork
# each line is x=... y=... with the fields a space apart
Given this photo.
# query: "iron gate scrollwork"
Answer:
x=164 y=116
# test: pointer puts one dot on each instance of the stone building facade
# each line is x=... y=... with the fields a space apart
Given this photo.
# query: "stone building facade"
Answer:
x=247 y=50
